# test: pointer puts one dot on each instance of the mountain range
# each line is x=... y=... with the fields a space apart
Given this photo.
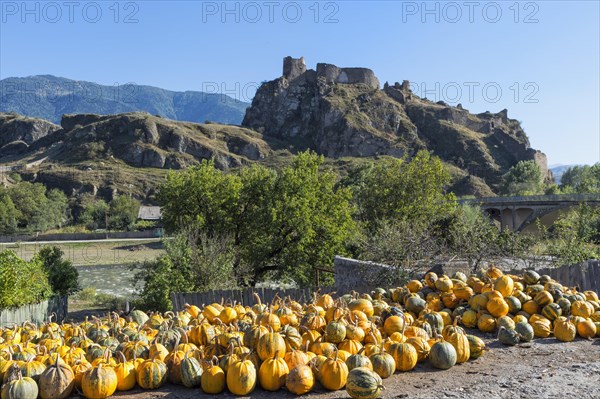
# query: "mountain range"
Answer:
x=50 y=97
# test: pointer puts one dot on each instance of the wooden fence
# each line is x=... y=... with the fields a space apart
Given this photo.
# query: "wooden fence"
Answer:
x=36 y=312
x=584 y=276
x=243 y=296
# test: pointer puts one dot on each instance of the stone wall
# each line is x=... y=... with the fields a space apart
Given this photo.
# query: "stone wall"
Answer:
x=352 y=274
x=334 y=74
x=361 y=276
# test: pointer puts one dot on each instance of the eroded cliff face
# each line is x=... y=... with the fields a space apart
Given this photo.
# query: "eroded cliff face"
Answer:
x=343 y=112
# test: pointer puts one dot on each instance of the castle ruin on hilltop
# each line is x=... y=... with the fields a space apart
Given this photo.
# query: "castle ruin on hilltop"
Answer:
x=295 y=68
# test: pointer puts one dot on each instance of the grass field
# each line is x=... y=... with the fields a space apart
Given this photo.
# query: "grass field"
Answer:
x=96 y=253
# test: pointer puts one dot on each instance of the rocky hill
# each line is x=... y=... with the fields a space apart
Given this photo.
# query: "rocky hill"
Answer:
x=342 y=113
x=126 y=152
x=49 y=97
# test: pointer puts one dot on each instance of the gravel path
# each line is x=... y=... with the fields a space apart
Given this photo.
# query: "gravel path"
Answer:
x=545 y=368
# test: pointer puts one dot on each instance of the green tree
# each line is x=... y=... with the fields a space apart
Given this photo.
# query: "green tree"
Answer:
x=524 y=178
x=122 y=212
x=280 y=224
x=393 y=190
x=201 y=196
x=9 y=214
x=575 y=236
x=31 y=202
x=38 y=209
x=94 y=215
x=298 y=220
x=21 y=282
x=62 y=275
x=581 y=179
x=57 y=207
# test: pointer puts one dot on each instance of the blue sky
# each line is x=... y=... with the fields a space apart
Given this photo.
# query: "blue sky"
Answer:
x=540 y=60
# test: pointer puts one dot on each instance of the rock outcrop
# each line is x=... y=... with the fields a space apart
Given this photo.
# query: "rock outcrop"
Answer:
x=18 y=128
x=343 y=112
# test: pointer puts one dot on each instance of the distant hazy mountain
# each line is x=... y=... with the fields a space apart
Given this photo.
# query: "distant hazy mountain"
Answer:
x=559 y=170
x=49 y=97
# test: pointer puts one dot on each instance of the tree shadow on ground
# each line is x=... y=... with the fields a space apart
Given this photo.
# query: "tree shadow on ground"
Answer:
x=155 y=245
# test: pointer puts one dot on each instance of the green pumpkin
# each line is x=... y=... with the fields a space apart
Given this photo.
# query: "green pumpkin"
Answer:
x=151 y=374
x=508 y=337
x=363 y=383
x=552 y=311
x=442 y=355
x=534 y=289
x=138 y=316
x=544 y=279
x=96 y=333
x=459 y=311
x=19 y=387
x=531 y=277
x=358 y=360
x=565 y=306
x=169 y=338
x=94 y=352
x=476 y=346
x=415 y=304
x=292 y=338
x=514 y=305
x=191 y=372
x=505 y=322
x=391 y=311
x=383 y=364
x=335 y=332
x=435 y=321
x=525 y=331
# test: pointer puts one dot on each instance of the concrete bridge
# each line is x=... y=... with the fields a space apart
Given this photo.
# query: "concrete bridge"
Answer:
x=520 y=213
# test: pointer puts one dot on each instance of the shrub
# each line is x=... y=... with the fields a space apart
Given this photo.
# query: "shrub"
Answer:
x=111 y=302
x=62 y=275
x=21 y=282
x=87 y=294
x=122 y=213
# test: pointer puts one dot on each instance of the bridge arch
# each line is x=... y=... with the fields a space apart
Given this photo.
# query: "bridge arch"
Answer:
x=520 y=213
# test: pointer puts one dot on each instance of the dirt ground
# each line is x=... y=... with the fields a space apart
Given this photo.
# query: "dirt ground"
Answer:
x=545 y=368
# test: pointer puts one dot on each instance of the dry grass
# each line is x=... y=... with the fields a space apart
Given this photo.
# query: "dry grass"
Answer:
x=97 y=253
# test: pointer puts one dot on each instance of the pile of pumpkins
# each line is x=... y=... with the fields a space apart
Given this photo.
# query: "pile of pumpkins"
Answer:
x=354 y=342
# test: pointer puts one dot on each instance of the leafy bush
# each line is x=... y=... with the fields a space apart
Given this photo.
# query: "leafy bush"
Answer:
x=575 y=235
x=190 y=264
x=62 y=275
x=142 y=225
x=122 y=213
x=94 y=215
x=87 y=294
x=111 y=302
x=21 y=282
